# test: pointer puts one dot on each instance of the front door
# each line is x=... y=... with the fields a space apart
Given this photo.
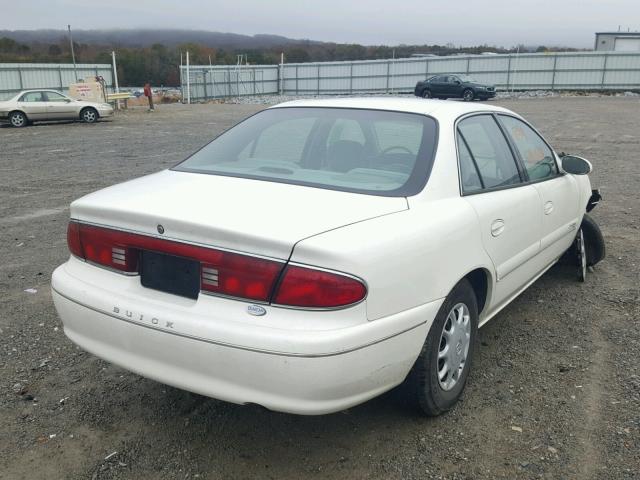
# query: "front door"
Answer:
x=509 y=211
x=60 y=107
x=558 y=192
x=454 y=88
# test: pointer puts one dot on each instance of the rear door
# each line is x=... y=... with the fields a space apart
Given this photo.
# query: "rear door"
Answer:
x=34 y=104
x=509 y=211
x=438 y=85
x=558 y=192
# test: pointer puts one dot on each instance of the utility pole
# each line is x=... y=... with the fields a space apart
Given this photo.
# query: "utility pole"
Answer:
x=188 y=82
x=115 y=71
x=73 y=55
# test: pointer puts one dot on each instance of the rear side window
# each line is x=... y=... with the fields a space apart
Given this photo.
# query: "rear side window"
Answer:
x=535 y=153
x=32 y=97
x=469 y=175
x=490 y=151
x=357 y=150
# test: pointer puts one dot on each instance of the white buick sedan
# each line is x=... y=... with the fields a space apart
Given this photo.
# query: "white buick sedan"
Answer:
x=322 y=252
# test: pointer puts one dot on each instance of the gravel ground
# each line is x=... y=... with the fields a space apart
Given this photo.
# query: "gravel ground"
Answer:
x=555 y=390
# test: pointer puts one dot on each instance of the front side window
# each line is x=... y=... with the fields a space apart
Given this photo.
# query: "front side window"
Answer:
x=365 y=151
x=32 y=97
x=55 y=97
x=490 y=151
x=536 y=155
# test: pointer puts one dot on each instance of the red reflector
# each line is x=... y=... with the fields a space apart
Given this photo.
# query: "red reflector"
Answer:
x=73 y=239
x=306 y=287
x=239 y=275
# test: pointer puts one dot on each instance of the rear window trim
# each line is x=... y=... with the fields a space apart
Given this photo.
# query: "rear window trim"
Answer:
x=407 y=190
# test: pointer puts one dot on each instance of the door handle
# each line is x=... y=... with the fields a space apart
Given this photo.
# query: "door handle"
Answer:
x=497 y=227
x=548 y=208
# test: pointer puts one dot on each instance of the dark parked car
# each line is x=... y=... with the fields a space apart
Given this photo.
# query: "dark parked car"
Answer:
x=454 y=86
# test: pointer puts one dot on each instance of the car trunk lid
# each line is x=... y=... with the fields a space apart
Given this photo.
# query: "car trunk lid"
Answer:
x=252 y=216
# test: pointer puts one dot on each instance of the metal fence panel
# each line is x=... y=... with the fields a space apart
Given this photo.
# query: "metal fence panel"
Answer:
x=15 y=77
x=531 y=71
x=206 y=82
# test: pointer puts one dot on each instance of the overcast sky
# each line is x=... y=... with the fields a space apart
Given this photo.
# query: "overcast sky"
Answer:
x=389 y=22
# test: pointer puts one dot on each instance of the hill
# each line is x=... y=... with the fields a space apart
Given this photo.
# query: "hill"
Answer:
x=133 y=38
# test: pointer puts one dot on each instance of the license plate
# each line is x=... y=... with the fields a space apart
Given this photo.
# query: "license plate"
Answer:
x=170 y=274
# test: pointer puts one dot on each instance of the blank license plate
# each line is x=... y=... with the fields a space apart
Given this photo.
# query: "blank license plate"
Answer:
x=167 y=273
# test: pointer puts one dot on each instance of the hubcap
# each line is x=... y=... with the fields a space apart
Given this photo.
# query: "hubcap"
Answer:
x=454 y=346
x=17 y=120
x=468 y=95
x=89 y=116
x=582 y=256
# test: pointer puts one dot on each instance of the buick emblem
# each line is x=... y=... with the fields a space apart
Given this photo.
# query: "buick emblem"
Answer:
x=256 y=310
x=160 y=229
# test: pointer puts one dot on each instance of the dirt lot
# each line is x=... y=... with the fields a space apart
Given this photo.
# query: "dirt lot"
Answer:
x=555 y=391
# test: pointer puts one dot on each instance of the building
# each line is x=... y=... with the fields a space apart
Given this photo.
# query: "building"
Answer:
x=618 y=41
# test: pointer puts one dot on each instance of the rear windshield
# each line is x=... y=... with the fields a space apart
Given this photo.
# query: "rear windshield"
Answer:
x=365 y=151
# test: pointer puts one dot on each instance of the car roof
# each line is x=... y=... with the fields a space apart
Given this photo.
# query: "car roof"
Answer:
x=41 y=90
x=398 y=104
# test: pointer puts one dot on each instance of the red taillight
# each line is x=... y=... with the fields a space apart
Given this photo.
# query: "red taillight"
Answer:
x=240 y=276
x=109 y=248
x=221 y=272
x=309 y=288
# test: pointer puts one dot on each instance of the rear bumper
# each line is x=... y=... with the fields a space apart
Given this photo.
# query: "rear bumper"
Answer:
x=296 y=370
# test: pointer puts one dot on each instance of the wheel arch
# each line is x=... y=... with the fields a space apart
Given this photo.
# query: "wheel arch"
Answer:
x=88 y=107
x=481 y=282
x=17 y=110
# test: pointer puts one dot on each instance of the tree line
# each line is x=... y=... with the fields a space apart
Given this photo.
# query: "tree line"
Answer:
x=159 y=63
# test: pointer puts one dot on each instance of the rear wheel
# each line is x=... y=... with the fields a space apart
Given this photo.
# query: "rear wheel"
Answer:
x=18 y=119
x=468 y=95
x=427 y=94
x=439 y=375
x=89 y=115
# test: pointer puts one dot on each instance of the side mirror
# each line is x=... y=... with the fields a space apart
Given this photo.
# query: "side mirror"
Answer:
x=67 y=100
x=457 y=82
x=576 y=165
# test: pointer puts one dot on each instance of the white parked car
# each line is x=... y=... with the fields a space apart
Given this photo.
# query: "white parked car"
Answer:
x=39 y=105
x=322 y=252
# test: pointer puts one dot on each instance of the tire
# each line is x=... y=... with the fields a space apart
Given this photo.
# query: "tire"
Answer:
x=18 y=119
x=89 y=115
x=593 y=240
x=432 y=394
x=427 y=94
x=581 y=256
x=468 y=95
